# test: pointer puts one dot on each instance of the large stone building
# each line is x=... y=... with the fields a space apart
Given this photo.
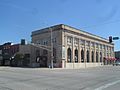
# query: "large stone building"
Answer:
x=72 y=48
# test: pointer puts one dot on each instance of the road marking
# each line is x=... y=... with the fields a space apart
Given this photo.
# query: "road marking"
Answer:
x=107 y=85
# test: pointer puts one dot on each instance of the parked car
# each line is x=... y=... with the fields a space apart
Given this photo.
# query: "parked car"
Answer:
x=116 y=63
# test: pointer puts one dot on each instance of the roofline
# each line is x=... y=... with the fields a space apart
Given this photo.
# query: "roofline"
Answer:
x=47 y=28
x=84 y=31
x=62 y=26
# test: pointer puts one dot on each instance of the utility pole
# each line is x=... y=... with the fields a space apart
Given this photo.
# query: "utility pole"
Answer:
x=51 y=48
x=48 y=48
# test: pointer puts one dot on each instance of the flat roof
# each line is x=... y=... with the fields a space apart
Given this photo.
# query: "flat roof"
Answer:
x=67 y=27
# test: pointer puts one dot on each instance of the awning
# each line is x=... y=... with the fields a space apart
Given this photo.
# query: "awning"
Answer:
x=110 y=58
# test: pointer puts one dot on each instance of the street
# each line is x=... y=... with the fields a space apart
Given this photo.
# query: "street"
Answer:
x=98 y=78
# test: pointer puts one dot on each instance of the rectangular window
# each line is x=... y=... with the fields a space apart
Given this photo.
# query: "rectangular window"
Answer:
x=76 y=40
x=104 y=47
x=92 y=44
x=69 y=39
x=107 y=47
x=96 y=45
x=87 y=43
x=100 y=46
x=82 y=42
x=45 y=42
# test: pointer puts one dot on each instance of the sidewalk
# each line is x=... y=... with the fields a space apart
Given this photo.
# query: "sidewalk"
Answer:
x=27 y=68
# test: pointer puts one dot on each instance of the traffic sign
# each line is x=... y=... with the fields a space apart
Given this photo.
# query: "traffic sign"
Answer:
x=115 y=38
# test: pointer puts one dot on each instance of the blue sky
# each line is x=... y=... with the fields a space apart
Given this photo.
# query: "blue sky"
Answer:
x=18 y=18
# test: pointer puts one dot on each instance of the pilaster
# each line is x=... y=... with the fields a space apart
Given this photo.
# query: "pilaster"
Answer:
x=79 y=52
x=73 y=50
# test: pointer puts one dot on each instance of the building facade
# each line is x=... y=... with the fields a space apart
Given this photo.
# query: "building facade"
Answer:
x=73 y=48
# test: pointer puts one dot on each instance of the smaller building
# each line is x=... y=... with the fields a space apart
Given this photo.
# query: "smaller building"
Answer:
x=17 y=54
x=117 y=55
x=7 y=50
x=36 y=56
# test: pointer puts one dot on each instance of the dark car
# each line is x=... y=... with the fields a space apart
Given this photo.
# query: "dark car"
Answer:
x=116 y=63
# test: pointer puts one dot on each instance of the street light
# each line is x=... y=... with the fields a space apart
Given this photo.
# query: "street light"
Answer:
x=48 y=48
x=51 y=48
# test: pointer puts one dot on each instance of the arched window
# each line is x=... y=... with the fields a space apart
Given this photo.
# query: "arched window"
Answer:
x=88 y=56
x=100 y=57
x=76 y=55
x=69 y=55
x=92 y=57
x=82 y=55
x=96 y=56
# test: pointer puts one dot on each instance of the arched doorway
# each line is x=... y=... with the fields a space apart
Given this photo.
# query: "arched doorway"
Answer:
x=69 y=58
x=82 y=55
x=96 y=56
x=76 y=56
x=88 y=60
x=92 y=56
x=100 y=56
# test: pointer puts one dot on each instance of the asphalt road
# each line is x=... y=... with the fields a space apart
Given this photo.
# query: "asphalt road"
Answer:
x=99 y=78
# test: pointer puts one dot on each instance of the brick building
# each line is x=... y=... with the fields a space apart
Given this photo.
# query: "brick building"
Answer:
x=7 y=51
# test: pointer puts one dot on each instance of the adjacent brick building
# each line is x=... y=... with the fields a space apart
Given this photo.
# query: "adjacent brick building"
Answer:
x=7 y=51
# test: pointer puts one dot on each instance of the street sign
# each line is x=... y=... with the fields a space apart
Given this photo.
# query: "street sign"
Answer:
x=115 y=38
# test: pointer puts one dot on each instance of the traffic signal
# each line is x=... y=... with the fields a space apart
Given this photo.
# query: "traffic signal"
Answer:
x=110 y=39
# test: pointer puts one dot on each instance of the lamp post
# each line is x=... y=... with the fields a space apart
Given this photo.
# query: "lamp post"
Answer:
x=48 y=48
x=51 y=48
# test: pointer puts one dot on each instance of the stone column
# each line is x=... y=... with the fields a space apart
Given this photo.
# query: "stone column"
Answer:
x=109 y=51
x=98 y=53
x=73 y=52
x=79 y=52
x=65 y=43
x=105 y=51
x=94 y=53
x=85 y=54
x=90 y=52
x=102 y=54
